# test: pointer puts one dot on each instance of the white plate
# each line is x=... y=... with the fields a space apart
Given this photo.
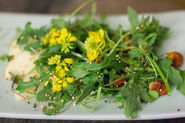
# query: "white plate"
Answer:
x=164 y=107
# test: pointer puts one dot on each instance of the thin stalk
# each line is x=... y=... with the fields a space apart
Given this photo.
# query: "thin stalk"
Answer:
x=111 y=89
x=91 y=109
x=81 y=45
x=106 y=35
x=117 y=44
x=162 y=77
x=79 y=8
x=79 y=56
x=93 y=9
x=156 y=67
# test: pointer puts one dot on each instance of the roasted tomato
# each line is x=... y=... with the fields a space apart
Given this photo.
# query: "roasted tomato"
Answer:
x=158 y=86
x=119 y=82
x=176 y=57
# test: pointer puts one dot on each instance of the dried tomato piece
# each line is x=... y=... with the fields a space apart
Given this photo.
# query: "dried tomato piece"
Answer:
x=176 y=57
x=158 y=86
x=119 y=82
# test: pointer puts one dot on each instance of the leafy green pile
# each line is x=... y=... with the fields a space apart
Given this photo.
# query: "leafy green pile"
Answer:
x=128 y=55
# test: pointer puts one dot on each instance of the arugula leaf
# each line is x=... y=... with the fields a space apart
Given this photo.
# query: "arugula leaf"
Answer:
x=150 y=39
x=143 y=94
x=112 y=76
x=56 y=106
x=41 y=95
x=181 y=86
x=80 y=70
x=133 y=18
x=85 y=92
x=26 y=34
x=57 y=22
x=90 y=78
x=33 y=82
x=34 y=45
x=130 y=96
x=172 y=73
x=30 y=37
x=134 y=53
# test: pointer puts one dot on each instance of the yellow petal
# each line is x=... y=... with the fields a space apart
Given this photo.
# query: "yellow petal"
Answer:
x=64 y=84
x=73 y=38
x=65 y=68
x=68 y=60
x=101 y=32
x=70 y=79
x=46 y=83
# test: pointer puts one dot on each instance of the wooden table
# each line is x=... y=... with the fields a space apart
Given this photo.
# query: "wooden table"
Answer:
x=103 y=6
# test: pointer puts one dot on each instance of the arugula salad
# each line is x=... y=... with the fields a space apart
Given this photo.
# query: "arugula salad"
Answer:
x=82 y=61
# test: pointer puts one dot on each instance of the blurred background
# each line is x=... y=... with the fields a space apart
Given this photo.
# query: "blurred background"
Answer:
x=103 y=6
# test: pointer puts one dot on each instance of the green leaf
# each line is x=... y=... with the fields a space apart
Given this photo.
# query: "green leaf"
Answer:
x=90 y=78
x=150 y=39
x=56 y=107
x=130 y=96
x=112 y=76
x=31 y=33
x=57 y=22
x=22 y=86
x=172 y=73
x=5 y=57
x=41 y=95
x=80 y=70
x=85 y=92
x=153 y=94
x=181 y=86
x=109 y=61
x=133 y=17
x=35 y=45
x=134 y=53
x=143 y=94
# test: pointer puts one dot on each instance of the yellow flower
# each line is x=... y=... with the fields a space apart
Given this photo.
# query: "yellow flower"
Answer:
x=65 y=68
x=94 y=44
x=56 y=87
x=92 y=55
x=60 y=79
x=68 y=60
x=62 y=37
x=70 y=79
x=62 y=73
x=46 y=83
x=54 y=60
x=64 y=84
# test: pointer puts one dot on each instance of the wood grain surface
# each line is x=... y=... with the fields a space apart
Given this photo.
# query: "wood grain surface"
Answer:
x=103 y=6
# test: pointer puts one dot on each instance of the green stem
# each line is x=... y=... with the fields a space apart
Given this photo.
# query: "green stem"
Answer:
x=79 y=56
x=148 y=58
x=91 y=109
x=111 y=89
x=79 y=8
x=156 y=67
x=93 y=9
x=81 y=45
x=117 y=44
x=31 y=71
x=106 y=35
x=162 y=76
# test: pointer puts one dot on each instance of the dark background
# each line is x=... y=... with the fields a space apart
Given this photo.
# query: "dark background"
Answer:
x=109 y=7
